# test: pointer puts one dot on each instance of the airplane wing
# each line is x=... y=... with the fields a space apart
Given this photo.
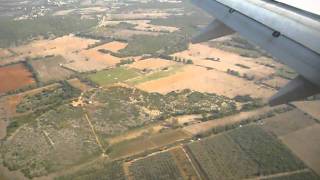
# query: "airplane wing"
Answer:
x=291 y=34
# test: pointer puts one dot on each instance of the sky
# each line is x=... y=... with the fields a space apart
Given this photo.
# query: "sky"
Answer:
x=312 y=6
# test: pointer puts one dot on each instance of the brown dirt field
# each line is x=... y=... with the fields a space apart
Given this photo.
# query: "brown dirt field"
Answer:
x=153 y=63
x=199 y=52
x=14 y=77
x=288 y=122
x=59 y=46
x=114 y=46
x=4 y=53
x=49 y=69
x=141 y=144
x=89 y=60
x=305 y=143
x=309 y=107
x=203 y=80
x=78 y=84
x=208 y=125
x=66 y=46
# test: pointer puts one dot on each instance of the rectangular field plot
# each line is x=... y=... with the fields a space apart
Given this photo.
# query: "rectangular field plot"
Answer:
x=305 y=143
x=101 y=170
x=219 y=157
x=242 y=153
x=158 y=167
x=13 y=77
x=111 y=76
x=141 y=144
x=288 y=122
x=50 y=68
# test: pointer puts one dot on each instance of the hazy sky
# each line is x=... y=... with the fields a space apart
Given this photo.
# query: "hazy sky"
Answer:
x=307 y=5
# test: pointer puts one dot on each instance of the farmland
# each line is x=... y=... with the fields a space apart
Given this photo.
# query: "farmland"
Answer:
x=49 y=69
x=105 y=89
x=108 y=77
x=14 y=77
x=248 y=145
x=160 y=166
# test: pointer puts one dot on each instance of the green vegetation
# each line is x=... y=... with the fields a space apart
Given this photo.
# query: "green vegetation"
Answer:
x=242 y=153
x=266 y=150
x=111 y=76
x=156 y=75
x=286 y=72
x=15 y=32
x=154 y=45
x=125 y=61
x=104 y=170
x=47 y=99
x=160 y=166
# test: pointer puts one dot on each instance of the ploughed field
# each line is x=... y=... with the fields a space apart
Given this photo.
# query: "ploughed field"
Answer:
x=14 y=77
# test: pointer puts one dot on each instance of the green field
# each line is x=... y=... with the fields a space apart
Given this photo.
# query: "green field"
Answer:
x=156 y=75
x=158 y=167
x=243 y=153
x=102 y=170
x=107 y=77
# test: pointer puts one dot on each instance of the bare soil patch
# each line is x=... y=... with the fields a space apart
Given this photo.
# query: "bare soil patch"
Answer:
x=201 y=54
x=310 y=107
x=203 y=80
x=305 y=143
x=152 y=63
x=208 y=125
x=14 y=77
x=288 y=122
x=114 y=46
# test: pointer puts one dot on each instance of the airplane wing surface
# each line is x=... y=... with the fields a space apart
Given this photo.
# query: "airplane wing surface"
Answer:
x=289 y=33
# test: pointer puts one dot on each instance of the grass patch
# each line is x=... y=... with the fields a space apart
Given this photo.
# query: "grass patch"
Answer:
x=111 y=76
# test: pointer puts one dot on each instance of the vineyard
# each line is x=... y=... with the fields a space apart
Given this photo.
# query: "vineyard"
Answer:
x=220 y=158
x=160 y=166
x=242 y=153
x=103 y=170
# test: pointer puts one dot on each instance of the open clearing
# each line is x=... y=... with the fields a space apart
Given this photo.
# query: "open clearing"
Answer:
x=144 y=143
x=14 y=77
x=310 y=107
x=111 y=76
x=50 y=69
x=209 y=125
x=153 y=64
x=199 y=53
x=203 y=80
x=305 y=143
x=114 y=46
x=288 y=122
x=79 y=85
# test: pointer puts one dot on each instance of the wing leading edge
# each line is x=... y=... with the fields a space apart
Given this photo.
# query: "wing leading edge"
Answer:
x=292 y=38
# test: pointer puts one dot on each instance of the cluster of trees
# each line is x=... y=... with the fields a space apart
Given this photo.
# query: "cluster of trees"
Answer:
x=176 y=59
x=125 y=61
